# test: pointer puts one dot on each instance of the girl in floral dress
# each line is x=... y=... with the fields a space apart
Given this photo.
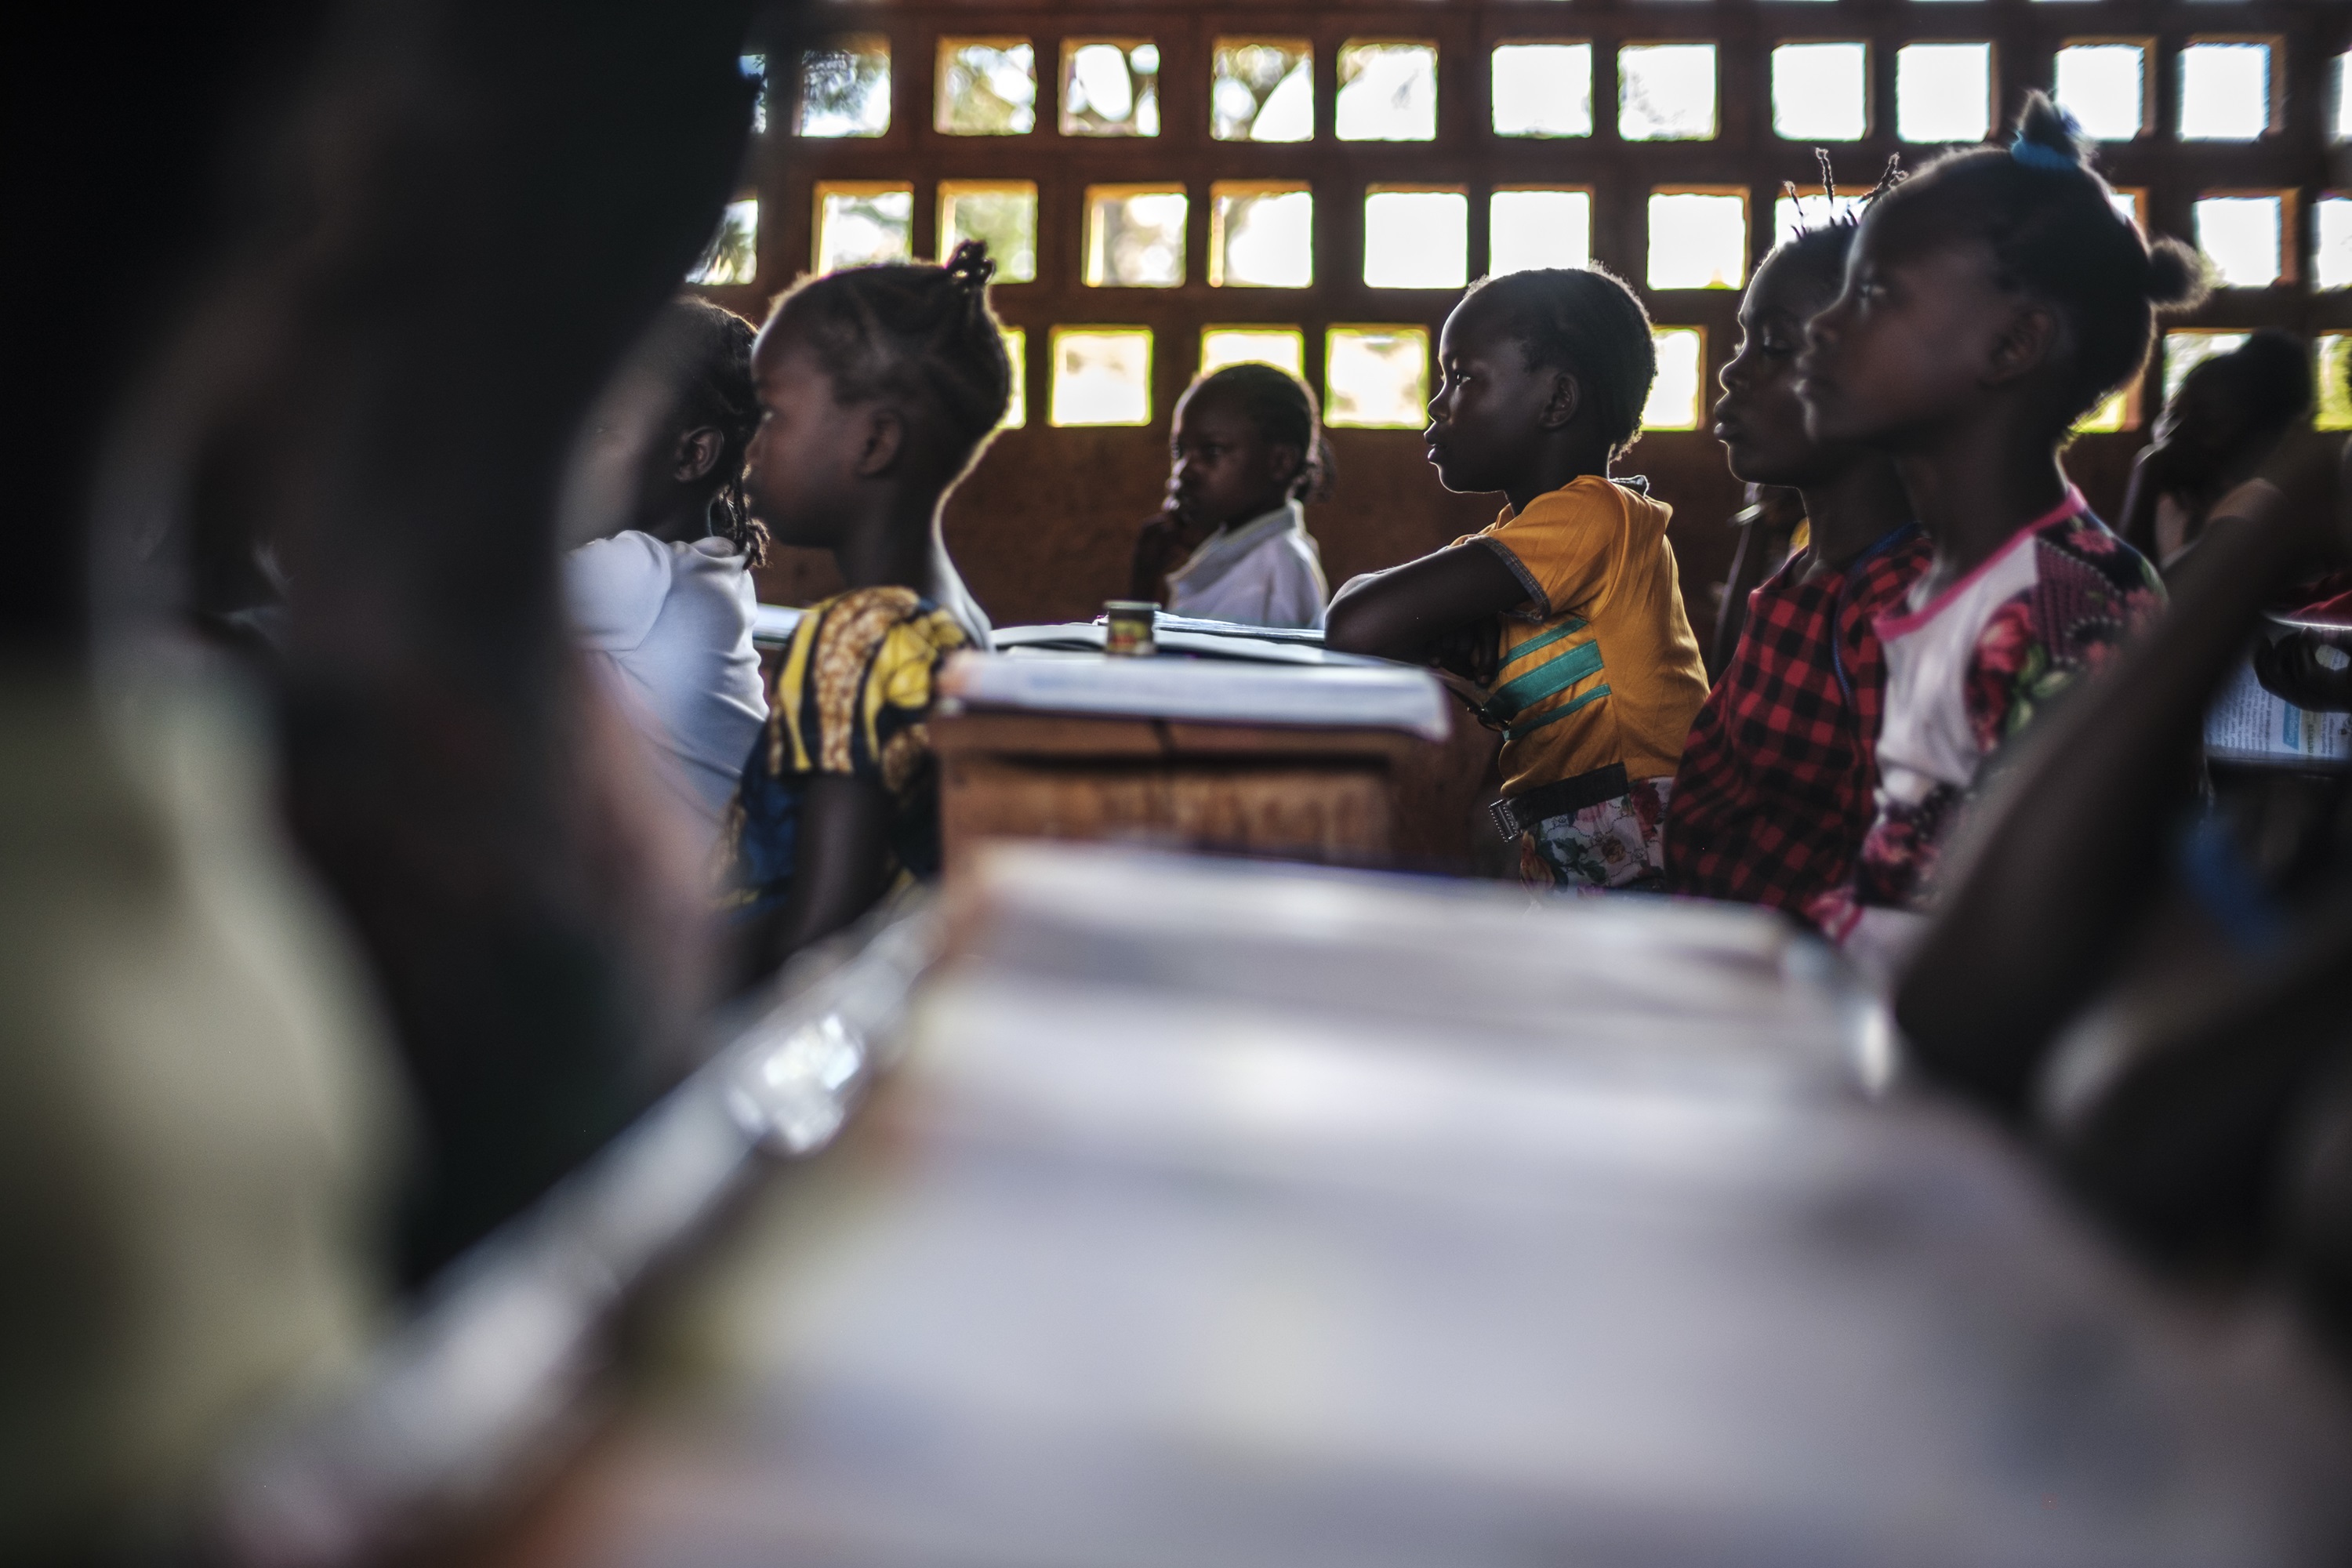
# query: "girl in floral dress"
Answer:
x=879 y=387
x=1990 y=302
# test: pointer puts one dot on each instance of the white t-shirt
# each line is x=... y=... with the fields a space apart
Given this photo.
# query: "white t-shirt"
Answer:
x=673 y=624
x=1264 y=573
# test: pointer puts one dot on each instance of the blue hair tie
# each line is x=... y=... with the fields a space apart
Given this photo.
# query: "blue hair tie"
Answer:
x=2034 y=155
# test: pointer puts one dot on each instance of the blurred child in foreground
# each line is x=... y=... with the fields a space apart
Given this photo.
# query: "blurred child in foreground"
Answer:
x=1232 y=544
x=1568 y=604
x=879 y=387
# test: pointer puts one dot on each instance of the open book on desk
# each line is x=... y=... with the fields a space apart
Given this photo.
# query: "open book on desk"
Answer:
x=1356 y=694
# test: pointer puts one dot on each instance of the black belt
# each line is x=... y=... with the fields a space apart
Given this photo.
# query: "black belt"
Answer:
x=1515 y=815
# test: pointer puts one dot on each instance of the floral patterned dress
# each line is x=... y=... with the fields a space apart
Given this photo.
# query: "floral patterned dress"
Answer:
x=852 y=696
x=1967 y=671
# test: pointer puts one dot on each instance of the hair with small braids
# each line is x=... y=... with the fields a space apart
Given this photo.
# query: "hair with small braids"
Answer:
x=1283 y=409
x=1826 y=242
x=703 y=353
x=1583 y=319
x=915 y=333
x=2055 y=234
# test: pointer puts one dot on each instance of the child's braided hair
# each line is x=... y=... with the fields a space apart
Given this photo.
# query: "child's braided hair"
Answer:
x=704 y=354
x=1825 y=243
x=2054 y=232
x=912 y=332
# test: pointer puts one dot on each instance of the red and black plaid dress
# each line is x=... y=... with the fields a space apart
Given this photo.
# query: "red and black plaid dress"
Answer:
x=1774 y=791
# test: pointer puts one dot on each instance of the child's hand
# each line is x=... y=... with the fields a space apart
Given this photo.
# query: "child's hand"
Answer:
x=1163 y=543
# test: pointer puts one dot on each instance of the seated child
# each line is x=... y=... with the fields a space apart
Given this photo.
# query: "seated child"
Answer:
x=1990 y=302
x=1568 y=604
x=878 y=388
x=1248 y=448
x=2230 y=411
x=1774 y=791
x=661 y=591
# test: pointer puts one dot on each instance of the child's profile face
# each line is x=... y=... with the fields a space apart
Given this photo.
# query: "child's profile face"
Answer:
x=1911 y=342
x=802 y=458
x=1760 y=419
x=1488 y=416
x=1223 y=469
x=2205 y=423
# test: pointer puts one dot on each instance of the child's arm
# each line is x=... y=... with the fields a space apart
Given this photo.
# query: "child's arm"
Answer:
x=837 y=868
x=1398 y=612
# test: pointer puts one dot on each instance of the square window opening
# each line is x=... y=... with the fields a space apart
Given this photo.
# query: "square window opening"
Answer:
x=1388 y=91
x=1665 y=92
x=1528 y=230
x=1416 y=238
x=845 y=89
x=2225 y=91
x=1262 y=89
x=1943 y=92
x=1543 y=90
x=1698 y=239
x=1261 y=235
x=1376 y=377
x=2104 y=86
x=1110 y=87
x=987 y=87
x=1135 y=237
x=861 y=222
x=1820 y=92
x=1102 y=375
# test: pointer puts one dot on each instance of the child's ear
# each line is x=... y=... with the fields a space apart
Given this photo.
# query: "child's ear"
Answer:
x=697 y=454
x=881 y=438
x=2030 y=341
x=1284 y=462
x=1567 y=397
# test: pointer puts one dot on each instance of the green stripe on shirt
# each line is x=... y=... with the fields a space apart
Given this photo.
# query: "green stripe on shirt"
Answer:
x=1549 y=680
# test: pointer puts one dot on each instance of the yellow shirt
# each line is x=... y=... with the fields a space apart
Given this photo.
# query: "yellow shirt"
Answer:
x=1599 y=666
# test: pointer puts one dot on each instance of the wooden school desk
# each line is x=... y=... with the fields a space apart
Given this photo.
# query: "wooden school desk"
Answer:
x=1209 y=755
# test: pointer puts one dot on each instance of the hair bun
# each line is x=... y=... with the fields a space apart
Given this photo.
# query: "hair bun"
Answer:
x=2177 y=277
x=969 y=268
x=2049 y=138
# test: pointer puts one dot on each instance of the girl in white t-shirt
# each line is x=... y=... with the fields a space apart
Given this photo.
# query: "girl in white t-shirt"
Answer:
x=658 y=580
x=1248 y=448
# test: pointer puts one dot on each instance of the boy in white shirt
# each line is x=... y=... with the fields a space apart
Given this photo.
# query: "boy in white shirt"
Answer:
x=658 y=584
x=1248 y=450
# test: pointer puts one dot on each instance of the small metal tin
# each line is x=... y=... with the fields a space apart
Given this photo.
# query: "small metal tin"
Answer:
x=1127 y=627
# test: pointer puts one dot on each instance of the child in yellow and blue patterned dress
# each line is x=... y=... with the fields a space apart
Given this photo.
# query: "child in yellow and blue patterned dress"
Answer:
x=877 y=388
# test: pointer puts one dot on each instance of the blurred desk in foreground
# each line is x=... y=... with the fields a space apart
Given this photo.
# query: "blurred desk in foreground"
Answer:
x=1342 y=763
x=1241 y=1214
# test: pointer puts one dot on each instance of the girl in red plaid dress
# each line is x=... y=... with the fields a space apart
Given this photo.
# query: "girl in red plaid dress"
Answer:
x=1774 y=791
x=1989 y=303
